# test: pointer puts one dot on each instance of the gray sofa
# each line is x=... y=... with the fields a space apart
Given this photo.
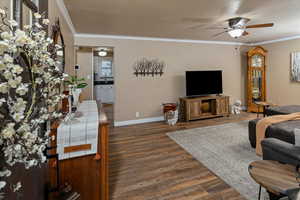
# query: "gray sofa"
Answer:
x=275 y=149
x=283 y=131
x=279 y=142
x=282 y=110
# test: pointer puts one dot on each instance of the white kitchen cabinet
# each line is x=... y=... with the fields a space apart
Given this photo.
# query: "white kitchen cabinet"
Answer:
x=97 y=92
x=105 y=93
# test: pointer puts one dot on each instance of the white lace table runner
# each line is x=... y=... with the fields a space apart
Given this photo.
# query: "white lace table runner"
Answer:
x=81 y=130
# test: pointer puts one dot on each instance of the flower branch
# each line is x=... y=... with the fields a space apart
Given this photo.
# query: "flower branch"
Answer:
x=29 y=78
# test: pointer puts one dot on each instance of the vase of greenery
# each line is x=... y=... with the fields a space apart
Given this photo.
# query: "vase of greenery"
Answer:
x=76 y=85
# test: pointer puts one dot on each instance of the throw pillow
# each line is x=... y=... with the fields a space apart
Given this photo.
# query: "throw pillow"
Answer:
x=297 y=136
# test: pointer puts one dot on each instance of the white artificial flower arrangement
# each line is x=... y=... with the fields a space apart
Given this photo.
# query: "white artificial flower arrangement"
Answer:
x=29 y=78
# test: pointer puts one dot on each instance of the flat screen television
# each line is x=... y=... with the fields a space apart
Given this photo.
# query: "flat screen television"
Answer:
x=200 y=83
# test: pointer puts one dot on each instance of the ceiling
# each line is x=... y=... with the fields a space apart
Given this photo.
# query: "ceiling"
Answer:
x=184 y=19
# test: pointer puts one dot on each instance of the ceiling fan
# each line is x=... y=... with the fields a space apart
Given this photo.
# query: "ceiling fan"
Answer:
x=237 y=27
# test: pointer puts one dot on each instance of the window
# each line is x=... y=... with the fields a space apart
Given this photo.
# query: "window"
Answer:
x=106 y=68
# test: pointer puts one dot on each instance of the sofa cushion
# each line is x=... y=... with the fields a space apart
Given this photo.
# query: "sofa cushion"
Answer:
x=283 y=131
x=274 y=149
x=282 y=110
x=252 y=132
x=297 y=136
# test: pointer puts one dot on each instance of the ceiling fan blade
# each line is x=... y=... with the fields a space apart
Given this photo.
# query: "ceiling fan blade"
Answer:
x=246 y=33
x=260 y=25
x=216 y=35
x=237 y=21
x=242 y=22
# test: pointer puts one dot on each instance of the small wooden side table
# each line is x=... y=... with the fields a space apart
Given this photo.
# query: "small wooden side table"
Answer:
x=277 y=178
x=264 y=105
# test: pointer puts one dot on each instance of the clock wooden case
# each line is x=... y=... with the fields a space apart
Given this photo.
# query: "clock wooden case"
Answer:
x=256 y=78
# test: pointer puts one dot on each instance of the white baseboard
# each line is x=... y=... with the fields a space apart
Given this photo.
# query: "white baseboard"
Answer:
x=138 y=121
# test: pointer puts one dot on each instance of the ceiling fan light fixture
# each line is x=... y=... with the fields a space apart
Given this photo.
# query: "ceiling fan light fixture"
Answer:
x=236 y=33
x=102 y=53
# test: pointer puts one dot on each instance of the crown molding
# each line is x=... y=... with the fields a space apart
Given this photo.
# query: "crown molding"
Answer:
x=122 y=37
x=276 y=40
x=64 y=11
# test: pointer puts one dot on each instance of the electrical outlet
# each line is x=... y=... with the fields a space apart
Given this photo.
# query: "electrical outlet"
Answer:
x=137 y=114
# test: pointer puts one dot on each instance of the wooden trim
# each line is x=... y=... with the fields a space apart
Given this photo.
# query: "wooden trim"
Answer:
x=103 y=150
x=83 y=147
x=104 y=161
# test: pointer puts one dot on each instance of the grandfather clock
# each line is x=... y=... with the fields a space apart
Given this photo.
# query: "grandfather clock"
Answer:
x=256 y=78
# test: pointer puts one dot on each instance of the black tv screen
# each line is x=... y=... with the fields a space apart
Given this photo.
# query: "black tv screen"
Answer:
x=199 y=83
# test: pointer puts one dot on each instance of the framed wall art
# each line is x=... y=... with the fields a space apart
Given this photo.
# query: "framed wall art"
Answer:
x=295 y=67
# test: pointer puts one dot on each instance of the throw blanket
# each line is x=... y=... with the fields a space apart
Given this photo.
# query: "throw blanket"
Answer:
x=264 y=123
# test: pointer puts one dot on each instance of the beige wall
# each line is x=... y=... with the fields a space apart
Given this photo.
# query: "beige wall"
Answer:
x=54 y=14
x=85 y=59
x=146 y=94
x=6 y=4
x=280 y=89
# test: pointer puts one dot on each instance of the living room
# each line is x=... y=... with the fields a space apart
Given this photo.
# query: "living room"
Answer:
x=198 y=92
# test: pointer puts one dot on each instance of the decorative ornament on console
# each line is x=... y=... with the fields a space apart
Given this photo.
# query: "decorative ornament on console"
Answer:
x=76 y=93
x=236 y=107
x=170 y=113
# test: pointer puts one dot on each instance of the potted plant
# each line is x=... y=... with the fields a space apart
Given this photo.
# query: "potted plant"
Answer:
x=76 y=85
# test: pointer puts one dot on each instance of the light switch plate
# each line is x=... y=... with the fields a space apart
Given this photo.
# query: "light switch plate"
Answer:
x=137 y=114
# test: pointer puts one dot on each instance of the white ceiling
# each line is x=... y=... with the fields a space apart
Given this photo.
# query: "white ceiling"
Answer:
x=184 y=19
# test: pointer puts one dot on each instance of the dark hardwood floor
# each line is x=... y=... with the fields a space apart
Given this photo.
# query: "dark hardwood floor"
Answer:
x=145 y=164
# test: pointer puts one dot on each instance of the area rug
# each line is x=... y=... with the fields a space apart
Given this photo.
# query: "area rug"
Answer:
x=225 y=150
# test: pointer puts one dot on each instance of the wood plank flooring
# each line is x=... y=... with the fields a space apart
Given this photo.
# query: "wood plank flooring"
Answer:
x=145 y=164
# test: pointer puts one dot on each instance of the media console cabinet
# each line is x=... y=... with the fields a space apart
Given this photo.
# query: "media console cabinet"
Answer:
x=193 y=108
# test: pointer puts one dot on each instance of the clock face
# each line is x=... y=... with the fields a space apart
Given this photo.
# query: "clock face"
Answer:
x=257 y=60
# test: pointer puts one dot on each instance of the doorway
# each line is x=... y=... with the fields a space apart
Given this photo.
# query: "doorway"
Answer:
x=104 y=83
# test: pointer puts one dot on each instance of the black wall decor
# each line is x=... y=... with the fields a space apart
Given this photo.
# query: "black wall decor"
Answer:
x=147 y=67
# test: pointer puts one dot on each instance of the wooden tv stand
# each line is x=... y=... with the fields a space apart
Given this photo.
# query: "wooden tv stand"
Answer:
x=193 y=108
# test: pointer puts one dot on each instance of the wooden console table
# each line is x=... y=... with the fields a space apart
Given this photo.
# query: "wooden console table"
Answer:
x=88 y=175
x=203 y=107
